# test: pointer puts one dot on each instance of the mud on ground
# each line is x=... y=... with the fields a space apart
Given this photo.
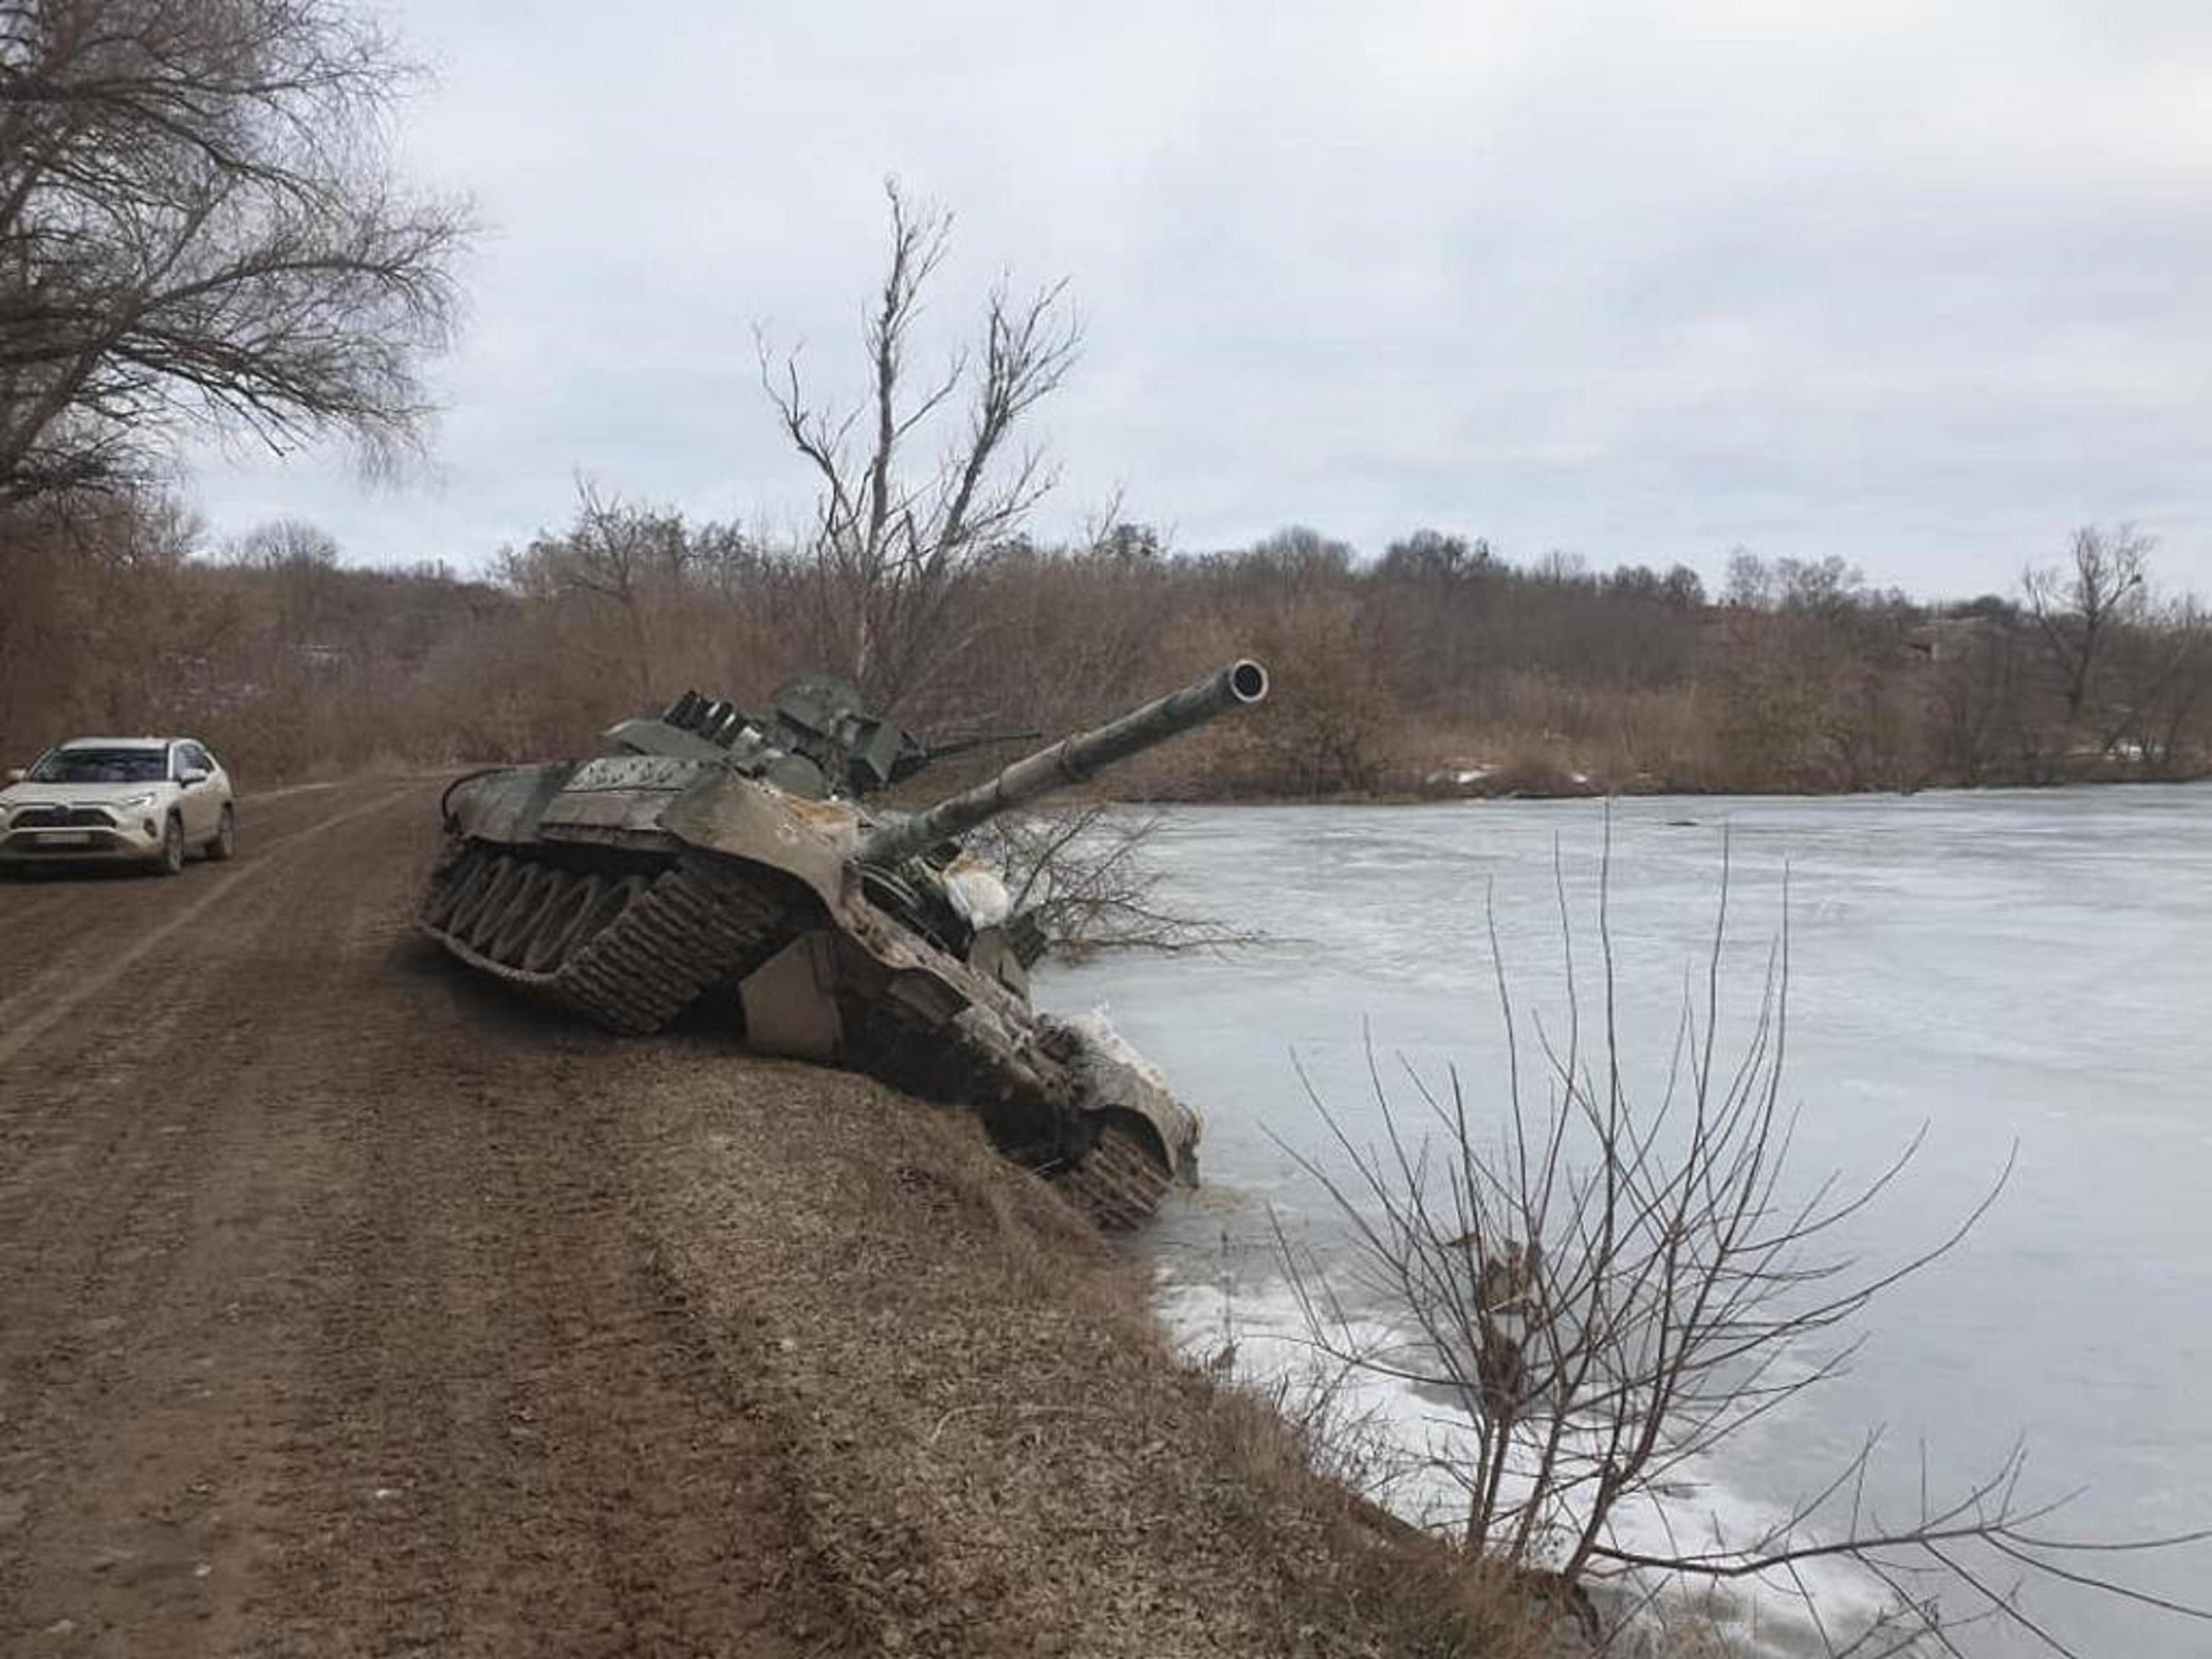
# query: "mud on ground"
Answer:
x=349 y=1308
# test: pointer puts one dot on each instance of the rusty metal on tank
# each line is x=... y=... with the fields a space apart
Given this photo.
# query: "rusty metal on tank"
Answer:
x=712 y=853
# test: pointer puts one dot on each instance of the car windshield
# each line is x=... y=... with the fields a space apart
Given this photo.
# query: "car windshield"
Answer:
x=102 y=765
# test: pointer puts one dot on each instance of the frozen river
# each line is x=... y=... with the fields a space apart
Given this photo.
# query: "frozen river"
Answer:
x=2005 y=968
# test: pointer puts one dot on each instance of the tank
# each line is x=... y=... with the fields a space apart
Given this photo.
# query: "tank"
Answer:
x=716 y=857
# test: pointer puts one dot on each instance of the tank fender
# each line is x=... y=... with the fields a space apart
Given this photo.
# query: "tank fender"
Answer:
x=1114 y=1086
x=612 y=795
x=506 y=803
x=738 y=818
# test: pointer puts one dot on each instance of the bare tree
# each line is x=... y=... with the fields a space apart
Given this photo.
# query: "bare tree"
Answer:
x=1979 y=674
x=2159 y=685
x=894 y=543
x=616 y=554
x=1083 y=874
x=2078 y=607
x=200 y=228
x=1613 y=1290
x=285 y=542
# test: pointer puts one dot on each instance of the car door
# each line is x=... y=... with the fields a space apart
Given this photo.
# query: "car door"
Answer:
x=219 y=788
x=195 y=801
x=218 y=785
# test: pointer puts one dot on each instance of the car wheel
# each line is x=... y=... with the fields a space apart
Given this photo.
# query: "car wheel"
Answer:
x=224 y=844
x=173 y=846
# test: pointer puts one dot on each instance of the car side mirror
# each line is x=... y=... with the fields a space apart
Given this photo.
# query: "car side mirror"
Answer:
x=13 y=775
x=192 y=774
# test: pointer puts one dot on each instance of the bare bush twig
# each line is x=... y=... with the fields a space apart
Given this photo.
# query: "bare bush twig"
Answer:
x=1613 y=1290
x=1081 y=870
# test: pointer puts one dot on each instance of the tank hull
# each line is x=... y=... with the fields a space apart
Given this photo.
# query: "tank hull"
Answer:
x=629 y=888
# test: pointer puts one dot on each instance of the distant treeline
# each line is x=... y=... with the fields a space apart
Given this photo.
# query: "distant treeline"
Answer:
x=1434 y=668
x=207 y=232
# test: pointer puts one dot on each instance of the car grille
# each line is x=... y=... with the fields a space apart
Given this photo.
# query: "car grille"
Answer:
x=62 y=817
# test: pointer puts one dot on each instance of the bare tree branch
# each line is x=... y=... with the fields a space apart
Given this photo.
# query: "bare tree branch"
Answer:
x=199 y=228
x=1608 y=1304
x=895 y=549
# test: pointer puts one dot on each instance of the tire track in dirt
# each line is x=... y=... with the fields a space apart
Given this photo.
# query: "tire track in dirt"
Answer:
x=139 y=1216
x=65 y=985
x=31 y=903
x=563 y=1454
x=329 y=1324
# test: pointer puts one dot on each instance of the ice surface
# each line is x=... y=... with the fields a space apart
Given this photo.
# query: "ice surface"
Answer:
x=2019 y=967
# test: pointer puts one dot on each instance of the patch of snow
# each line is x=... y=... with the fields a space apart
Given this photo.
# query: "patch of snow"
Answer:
x=1412 y=1453
x=1098 y=1029
x=977 y=893
x=1458 y=774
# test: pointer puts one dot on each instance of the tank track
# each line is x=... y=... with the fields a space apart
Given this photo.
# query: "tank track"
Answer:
x=1119 y=1183
x=627 y=952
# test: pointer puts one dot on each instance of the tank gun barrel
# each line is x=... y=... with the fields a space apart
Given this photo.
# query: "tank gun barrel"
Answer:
x=1069 y=761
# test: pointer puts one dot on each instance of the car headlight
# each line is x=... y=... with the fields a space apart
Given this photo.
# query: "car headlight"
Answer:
x=132 y=803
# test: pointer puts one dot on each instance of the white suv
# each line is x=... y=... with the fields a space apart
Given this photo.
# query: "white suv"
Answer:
x=146 y=798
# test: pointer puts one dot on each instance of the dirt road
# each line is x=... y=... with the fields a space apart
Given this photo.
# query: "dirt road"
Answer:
x=323 y=1327
x=348 y=1308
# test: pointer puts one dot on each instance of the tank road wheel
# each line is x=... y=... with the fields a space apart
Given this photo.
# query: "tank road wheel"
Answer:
x=500 y=904
x=1122 y=1180
x=461 y=881
x=607 y=909
x=525 y=910
x=565 y=913
x=489 y=897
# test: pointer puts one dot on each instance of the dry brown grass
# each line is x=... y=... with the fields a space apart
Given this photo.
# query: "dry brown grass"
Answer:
x=1000 y=1454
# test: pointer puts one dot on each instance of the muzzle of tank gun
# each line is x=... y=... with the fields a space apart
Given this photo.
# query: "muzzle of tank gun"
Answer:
x=1071 y=760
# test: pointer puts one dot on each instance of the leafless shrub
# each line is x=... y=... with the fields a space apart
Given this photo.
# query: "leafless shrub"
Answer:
x=1612 y=1291
x=1081 y=870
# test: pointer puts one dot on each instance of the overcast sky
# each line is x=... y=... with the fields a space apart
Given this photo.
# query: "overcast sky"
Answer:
x=1923 y=285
